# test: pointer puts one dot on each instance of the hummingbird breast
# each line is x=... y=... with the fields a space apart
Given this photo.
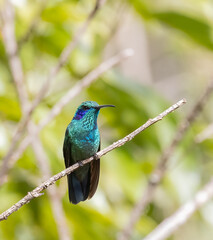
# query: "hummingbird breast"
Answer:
x=85 y=144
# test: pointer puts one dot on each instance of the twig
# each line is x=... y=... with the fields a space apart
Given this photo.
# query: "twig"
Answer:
x=16 y=69
x=53 y=72
x=10 y=44
x=172 y=223
x=8 y=33
x=37 y=191
x=9 y=160
x=64 y=55
x=160 y=170
x=86 y=81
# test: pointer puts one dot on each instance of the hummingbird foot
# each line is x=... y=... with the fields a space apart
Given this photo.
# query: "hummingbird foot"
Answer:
x=80 y=164
x=96 y=157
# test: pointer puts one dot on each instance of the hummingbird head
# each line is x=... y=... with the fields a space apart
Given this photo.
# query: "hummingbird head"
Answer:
x=89 y=109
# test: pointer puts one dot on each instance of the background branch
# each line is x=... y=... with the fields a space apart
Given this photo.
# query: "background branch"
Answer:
x=52 y=73
x=8 y=32
x=161 y=168
x=172 y=223
x=18 y=77
x=64 y=55
x=9 y=160
x=37 y=191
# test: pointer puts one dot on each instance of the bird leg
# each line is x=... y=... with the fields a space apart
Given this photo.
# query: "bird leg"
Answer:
x=80 y=164
x=96 y=157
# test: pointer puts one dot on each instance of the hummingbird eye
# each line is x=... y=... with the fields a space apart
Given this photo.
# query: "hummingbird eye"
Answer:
x=86 y=108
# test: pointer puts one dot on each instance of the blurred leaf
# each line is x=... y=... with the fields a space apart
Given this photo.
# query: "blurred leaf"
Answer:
x=124 y=171
x=197 y=30
x=52 y=41
x=61 y=13
x=142 y=8
x=9 y=108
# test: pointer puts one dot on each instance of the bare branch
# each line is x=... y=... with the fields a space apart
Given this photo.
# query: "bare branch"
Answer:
x=8 y=32
x=11 y=158
x=64 y=56
x=53 y=72
x=160 y=170
x=37 y=191
x=85 y=82
x=10 y=44
x=16 y=69
x=172 y=223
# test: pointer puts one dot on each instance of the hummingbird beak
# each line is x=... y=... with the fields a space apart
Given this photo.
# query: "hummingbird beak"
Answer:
x=103 y=106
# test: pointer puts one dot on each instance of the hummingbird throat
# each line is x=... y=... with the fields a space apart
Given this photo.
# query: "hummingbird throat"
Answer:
x=80 y=113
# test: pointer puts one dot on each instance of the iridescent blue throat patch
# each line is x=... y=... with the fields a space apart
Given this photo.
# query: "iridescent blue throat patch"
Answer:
x=80 y=113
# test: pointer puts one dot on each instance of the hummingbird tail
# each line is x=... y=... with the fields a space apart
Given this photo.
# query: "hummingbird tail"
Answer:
x=78 y=190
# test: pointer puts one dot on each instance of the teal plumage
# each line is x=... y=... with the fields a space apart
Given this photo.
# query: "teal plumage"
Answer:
x=82 y=140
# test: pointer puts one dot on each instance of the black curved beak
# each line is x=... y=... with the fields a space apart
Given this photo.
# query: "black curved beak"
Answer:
x=103 y=106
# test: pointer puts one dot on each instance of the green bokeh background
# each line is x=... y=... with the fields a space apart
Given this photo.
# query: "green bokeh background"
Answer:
x=177 y=33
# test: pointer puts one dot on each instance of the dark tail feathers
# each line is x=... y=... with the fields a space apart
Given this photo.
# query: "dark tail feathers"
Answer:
x=78 y=190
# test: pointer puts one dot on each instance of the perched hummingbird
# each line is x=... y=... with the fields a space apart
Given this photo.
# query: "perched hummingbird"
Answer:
x=82 y=140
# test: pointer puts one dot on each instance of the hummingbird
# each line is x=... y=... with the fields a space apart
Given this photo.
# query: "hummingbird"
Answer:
x=82 y=140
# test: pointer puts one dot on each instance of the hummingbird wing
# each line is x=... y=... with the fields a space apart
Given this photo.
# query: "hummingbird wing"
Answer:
x=67 y=150
x=78 y=188
x=68 y=162
x=94 y=176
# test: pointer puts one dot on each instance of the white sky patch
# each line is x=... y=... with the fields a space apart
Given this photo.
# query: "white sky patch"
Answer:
x=18 y=3
x=3 y=138
x=207 y=8
x=186 y=183
x=99 y=202
x=207 y=212
x=2 y=87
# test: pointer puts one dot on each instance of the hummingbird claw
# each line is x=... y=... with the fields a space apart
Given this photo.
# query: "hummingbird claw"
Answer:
x=96 y=157
x=80 y=164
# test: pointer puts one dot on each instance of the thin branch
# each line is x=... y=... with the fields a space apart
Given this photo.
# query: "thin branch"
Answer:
x=37 y=191
x=11 y=158
x=85 y=82
x=16 y=69
x=172 y=223
x=64 y=55
x=53 y=72
x=160 y=170
x=8 y=32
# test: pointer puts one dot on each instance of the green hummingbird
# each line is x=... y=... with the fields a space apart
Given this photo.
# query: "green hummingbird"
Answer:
x=82 y=140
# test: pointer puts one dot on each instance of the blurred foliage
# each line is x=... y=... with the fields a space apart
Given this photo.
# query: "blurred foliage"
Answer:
x=187 y=25
x=199 y=30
